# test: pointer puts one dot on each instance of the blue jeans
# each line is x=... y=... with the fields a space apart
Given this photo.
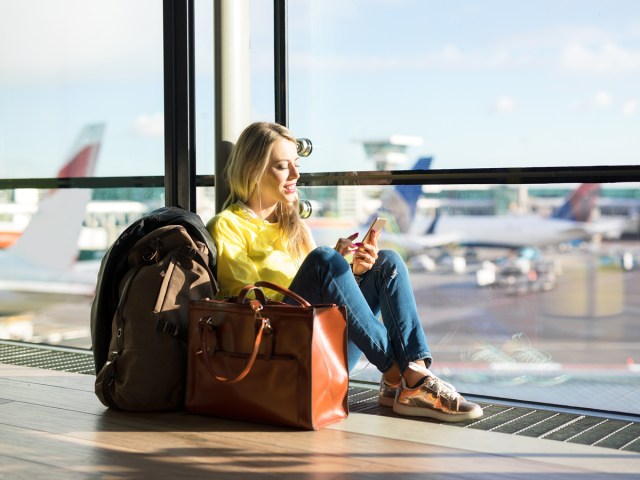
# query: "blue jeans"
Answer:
x=326 y=277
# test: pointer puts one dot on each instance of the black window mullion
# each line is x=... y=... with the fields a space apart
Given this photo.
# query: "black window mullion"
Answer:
x=179 y=104
x=280 y=67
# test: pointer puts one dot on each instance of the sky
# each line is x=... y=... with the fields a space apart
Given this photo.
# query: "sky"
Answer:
x=482 y=83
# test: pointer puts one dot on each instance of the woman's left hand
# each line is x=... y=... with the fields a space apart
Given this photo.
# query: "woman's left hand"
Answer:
x=345 y=246
x=366 y=255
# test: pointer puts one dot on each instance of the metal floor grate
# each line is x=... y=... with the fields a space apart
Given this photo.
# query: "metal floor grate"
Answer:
x=530 y=422
x=52 y=358
x=515 y=420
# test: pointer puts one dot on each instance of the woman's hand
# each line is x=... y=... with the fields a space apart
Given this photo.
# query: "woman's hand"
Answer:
x=366 y=254
x=345 y=246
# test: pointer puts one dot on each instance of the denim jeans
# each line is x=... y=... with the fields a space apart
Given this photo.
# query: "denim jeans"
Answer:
x=326 y=277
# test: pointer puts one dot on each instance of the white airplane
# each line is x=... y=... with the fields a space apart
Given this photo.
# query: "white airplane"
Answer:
x=40 y=268
x=571 y=222
x=414 y=232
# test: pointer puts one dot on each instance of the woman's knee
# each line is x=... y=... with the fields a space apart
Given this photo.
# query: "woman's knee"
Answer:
x=390 y=264
x=390 y=257
x=325 y=254
x=329 y=257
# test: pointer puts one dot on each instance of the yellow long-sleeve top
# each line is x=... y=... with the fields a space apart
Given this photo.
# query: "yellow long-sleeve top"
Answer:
x=249 y=249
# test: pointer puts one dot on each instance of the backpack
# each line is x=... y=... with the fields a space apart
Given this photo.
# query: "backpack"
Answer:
x=139 y=317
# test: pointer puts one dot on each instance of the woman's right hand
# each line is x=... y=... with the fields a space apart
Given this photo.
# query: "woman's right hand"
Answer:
x=365 y=255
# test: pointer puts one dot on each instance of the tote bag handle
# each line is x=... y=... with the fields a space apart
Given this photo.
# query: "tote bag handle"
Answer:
x=256 y=305
x=206 y=324
x=284 y=291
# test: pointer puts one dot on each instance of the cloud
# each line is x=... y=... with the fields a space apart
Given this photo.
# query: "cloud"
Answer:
x=41 y=42
x=599 y=100
x=449 y=57
x=603 y=58
x=630 y=107
x=505 y=104
x=582 y=49
x=602 y=99
x=149 y=125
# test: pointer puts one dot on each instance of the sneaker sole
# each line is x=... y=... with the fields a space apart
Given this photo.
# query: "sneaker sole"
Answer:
x=425 y=412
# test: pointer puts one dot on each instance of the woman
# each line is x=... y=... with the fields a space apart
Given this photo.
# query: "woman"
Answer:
x=260 y=236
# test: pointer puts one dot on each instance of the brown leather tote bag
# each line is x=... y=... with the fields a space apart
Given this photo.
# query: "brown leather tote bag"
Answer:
x=265 y=361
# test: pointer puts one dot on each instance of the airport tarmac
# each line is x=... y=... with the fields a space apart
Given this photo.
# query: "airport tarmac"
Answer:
x=561 y=345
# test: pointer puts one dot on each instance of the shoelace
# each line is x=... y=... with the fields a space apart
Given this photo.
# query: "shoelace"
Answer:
x=443 y=389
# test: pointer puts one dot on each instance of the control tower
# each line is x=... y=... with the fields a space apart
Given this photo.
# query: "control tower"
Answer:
x=391 y=152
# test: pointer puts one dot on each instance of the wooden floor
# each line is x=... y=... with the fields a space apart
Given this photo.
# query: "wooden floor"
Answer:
x=53 y=426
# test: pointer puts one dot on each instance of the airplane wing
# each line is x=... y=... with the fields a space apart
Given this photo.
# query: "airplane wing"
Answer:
x=413 y=244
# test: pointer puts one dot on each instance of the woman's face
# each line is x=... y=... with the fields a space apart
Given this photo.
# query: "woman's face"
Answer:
x=279 y=181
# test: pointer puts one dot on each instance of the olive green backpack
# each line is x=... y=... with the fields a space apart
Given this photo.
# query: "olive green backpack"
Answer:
x=146 y=361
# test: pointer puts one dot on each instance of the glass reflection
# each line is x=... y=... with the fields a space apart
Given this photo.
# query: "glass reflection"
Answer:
x=519 y=300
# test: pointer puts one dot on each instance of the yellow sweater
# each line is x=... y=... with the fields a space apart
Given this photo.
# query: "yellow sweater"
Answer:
x=249 y=249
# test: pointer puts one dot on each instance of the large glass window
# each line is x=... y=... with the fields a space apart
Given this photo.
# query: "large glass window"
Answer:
x=481 y=84
x=47 y=287
x=82 y=95
x=521 y=294
x=204 y=86
x=69 y=63
x=526 y=292
x=515 y=300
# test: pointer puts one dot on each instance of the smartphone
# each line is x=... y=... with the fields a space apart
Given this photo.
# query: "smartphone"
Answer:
x=377 y=225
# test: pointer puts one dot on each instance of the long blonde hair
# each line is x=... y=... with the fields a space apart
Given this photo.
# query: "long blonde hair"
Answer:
x=244 y=171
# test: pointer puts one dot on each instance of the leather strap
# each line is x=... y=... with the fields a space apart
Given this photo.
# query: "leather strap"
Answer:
x=204 y=326
x=284 y=291
x=242 y=297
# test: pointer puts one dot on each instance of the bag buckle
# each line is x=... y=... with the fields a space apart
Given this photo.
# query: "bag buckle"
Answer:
x=266 y=326
x=171 y=329
x=255 y=305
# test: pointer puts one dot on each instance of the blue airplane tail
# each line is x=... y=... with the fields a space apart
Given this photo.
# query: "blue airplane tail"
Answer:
x=580 y=204
x=399 y=204
x=411 y=193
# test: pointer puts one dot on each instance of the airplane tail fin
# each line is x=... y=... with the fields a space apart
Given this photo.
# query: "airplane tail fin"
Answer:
x=50 y=240
x=402 y=201
x=579 y=204
x=432 y=227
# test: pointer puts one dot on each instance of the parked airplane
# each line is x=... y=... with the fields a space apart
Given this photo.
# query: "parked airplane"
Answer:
x=571 y=222
x=413 y=233
x=40 y=267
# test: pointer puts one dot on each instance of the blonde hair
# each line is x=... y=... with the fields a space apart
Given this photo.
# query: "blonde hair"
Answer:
x=244 y=171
